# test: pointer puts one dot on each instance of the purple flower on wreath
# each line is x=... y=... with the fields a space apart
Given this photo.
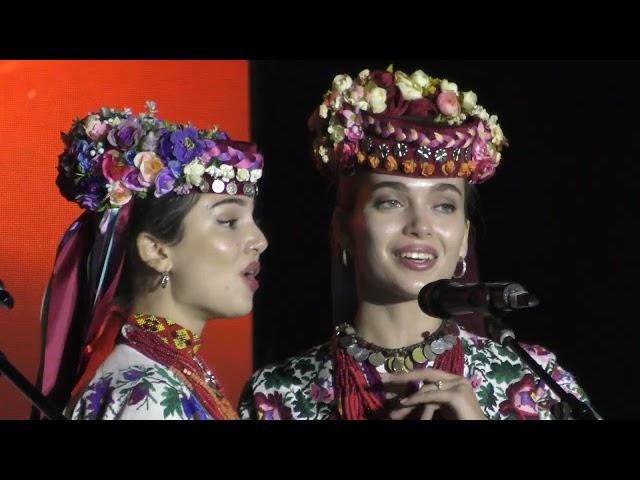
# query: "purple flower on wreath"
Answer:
x=164 y=182
x=93 y=186
x=93 y=192
x=149 y=142
x=210 y=150
x=220 y=135
x=165 y=146
x=186 y=144
x=175 y=167
x=88 y=201
x=82 y=149
x=132 y=181
x=126 y=134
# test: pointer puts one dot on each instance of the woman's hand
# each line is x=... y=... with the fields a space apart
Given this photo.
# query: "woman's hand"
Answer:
x=450 y=395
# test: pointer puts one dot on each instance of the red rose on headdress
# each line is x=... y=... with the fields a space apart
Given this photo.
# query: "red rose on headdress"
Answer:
x=346 y=153
x=114 y=167
x=422 y=107
x=396 y=105
x=383 y=78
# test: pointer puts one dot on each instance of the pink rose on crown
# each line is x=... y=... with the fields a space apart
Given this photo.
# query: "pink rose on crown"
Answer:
x=448 y=103
x=149 y=165
x=119 y=195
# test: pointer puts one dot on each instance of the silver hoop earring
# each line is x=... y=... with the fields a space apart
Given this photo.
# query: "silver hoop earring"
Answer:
x=345 y=259
x=464 y=269
x=164 y=280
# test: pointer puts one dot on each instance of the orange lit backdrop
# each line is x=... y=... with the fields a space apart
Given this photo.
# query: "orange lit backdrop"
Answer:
x=38 y=100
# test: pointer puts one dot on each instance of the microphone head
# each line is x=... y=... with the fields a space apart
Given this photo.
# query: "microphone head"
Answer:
x=517 y=297
x=429 y=298
x=526 y=301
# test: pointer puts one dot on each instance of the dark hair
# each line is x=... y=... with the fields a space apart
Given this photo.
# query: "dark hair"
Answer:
x=472 y=206
x=164 y=219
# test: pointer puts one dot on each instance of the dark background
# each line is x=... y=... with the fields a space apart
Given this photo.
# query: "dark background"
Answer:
x=560 y=214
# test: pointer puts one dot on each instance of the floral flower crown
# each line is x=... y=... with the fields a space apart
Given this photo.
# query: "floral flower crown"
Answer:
x=406 y=124
x=112 y=156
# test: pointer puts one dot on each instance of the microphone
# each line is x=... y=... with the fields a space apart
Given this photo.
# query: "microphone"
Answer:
x=448 y=298
x=6 y=300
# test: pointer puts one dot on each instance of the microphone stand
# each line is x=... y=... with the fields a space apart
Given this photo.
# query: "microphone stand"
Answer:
x=572 y=408
x=28 y=390
x=20 y=381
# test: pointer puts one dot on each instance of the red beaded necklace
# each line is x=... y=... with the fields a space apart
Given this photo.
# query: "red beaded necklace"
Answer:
x=355 y=398
x=175 y=347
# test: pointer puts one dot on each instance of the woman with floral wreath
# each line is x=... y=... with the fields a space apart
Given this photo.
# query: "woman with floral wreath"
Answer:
x=406 y=152
x=166 y=242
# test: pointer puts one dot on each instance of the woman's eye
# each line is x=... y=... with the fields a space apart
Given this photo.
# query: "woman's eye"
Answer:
x=230 y=223
x=446 y=207
x=388 y=204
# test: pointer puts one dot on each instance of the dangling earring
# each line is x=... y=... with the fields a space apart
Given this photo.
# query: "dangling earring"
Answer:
x=345 y=259
x=165 y=279
x=464 y=268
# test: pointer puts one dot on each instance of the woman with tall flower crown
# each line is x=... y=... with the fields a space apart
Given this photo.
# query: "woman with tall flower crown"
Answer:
x=405 y=152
